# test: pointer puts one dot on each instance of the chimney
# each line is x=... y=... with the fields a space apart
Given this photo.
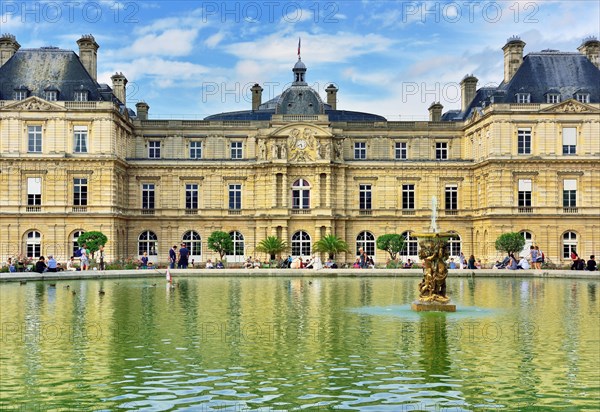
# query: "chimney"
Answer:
x=8 y=47
x=256 y=96
x=468 y=88
x=435 y=112
x=331 y=91
x=590 y=47
x=142 y=110
x=118 y=85
x=513 y=57
x=88 y=54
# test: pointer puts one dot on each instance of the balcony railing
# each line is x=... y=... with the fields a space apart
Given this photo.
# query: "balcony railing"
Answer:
x=300 y=211
x=408 y=212
x=148 y=211
x=79 y=209
x=33 y=209
x=365 y=212
x=451 y=212
x=525 y=210
x=570 y=210
x=191 y=211
x=234 y=212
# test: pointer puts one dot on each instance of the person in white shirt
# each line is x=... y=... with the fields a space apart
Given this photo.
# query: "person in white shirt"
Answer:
x=523 y=263
x=70 y=264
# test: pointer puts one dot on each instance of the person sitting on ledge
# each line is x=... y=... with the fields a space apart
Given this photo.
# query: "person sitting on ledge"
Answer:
x=452 y=264
x=523 y=263
x=591 y=264
x=256 y=263
x=408 y=264
x=513 y=265
x=356 y=264
x=209 y=264
x=220 y=265
x=248 y=263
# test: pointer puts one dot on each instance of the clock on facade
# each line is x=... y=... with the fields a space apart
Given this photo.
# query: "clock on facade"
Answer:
x=301 y=144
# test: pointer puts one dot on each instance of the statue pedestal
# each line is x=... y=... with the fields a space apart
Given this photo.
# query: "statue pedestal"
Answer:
x=420 y=306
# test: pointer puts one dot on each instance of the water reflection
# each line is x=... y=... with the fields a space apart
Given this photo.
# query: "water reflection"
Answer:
x=298 y=343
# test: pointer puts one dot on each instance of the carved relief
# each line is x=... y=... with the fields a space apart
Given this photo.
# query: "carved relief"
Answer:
x=570 y=106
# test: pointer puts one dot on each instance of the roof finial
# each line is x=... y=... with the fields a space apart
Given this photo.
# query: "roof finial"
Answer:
x=298 y=48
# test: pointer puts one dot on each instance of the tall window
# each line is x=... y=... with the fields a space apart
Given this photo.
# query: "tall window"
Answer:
x=80 y=191
x=236 y=150
x=301 y=194
x=523 y=98
x=33 y=243
x=569 y=244
x=238 y=247
x=401 y=152
x=193 y=242
x=301 y=244
x=365 y=240
x=524 y=141
x=195 y=150
x=191 y=196
x=74 y=243
x=235 y=196
x=569 y=140
x=441 y=151
x=454 y=245
x=34 y=191
x=154 y=149
x=360 y=150
x=34 y=134
x=451 y=197
x=524 y=192
x=569 y=193
x=408 y=196
x=81 y=96
x=80 y=143
x=364 y=199
x=148 y=242
x=148 y=196
x=410 y=245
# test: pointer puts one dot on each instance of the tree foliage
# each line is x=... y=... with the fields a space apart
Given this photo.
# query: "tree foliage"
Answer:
x=512 y=242
x=272 y=245
x=332 y=245
x=92 y=240
x=220 y=242
x=391 y=243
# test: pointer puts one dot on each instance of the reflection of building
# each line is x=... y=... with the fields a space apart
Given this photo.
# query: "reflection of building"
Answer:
x=522 y=156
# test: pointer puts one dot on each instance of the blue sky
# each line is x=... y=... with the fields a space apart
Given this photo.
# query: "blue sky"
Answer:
x=190 y=59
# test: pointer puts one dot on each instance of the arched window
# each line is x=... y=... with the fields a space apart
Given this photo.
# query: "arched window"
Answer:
x=301 y=244
x=528 y=242
x=74 y=238
x=193 y=242
x=33 y=244
x=454 y=244
x=365 y=240
x=300 y=194
x=148 y=242
x=410 y=246
x=569 y=244
x=238 y=247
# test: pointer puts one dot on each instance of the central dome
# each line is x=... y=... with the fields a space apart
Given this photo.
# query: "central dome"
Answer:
x=299 y=98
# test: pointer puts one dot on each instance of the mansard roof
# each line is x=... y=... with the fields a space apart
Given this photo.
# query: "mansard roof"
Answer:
x=39 y=69
x=544 y=72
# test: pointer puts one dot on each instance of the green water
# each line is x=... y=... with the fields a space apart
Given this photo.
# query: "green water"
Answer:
x=267 y=344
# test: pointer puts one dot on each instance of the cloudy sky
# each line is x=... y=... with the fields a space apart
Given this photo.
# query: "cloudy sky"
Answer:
x=190 y=59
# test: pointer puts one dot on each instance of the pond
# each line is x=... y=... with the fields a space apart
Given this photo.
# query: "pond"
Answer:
x=275 y=344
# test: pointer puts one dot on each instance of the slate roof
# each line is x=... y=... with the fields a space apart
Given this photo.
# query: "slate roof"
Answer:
x=265 y=114
x=50 y=67
x=548 y=71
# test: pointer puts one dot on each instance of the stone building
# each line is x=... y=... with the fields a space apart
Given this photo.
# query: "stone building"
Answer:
x=523 y=156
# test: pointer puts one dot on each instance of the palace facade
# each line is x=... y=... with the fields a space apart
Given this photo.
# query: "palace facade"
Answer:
x=523 y=156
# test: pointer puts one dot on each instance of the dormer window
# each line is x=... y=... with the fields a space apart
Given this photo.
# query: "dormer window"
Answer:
x=51 y=95
x=81 y=96
x=523 y=97
x=552 y=98
x=582 y=97
x=21 y=93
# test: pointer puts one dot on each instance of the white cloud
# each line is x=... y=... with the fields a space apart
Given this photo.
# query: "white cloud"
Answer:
x=214 y=40
x=173 y=42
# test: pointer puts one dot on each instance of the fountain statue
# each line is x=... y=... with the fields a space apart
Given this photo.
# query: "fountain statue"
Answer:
x=433 y=254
